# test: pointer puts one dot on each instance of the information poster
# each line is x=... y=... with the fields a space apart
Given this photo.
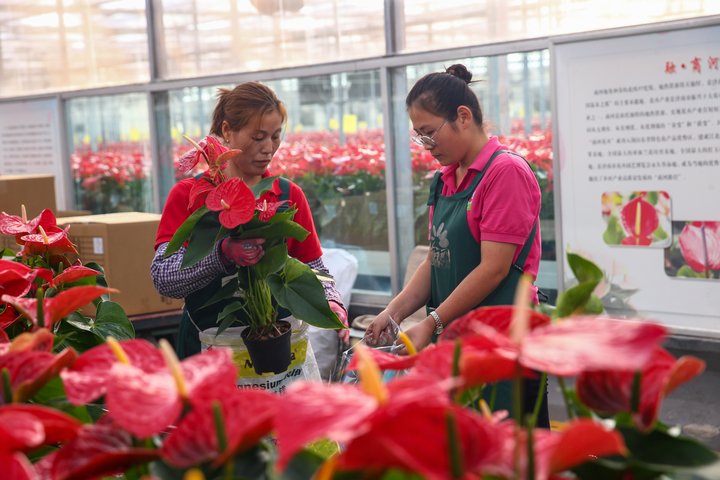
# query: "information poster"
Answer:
x=30 y=142
x=638 y=123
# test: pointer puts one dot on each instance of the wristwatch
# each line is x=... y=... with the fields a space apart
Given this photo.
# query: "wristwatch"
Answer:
x=438 y=323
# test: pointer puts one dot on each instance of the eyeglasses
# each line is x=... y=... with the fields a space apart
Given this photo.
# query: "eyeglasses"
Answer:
x=423 y=140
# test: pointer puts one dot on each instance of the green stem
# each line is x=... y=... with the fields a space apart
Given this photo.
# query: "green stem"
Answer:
x=40 y=310
x=222 y=437
x=7 y=386
x=457 y=467
x=635 y=399
x=517 y=396
x=565 y=397
x=493 y=396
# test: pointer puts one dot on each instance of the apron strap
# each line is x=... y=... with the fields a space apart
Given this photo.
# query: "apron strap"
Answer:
x=284 y=185
x=522 y=257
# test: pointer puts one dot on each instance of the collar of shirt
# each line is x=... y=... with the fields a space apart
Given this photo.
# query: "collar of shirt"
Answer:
x=448 y=173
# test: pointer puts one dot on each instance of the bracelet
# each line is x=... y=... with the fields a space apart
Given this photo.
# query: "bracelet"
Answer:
x=438 y=323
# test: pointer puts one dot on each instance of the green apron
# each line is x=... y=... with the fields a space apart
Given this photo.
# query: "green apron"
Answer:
x=195 y=318
x=454 y=253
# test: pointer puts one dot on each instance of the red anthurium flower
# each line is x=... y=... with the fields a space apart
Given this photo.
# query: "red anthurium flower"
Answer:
x=14 y=225
x=59 y=306
x=400 y=440
x=24 y=428
x=581 y=441
x=8 y=316
x=700 y=245
x=640 y=220
x=569 y=347
x=4 y=339
x=30 y=370
x=248 y=417
x=610 y=391
x=220 y=163
x=41 y=340
x=147 y=403
x=99 y=450
x=87 y=379
x=210 y=146
x=52 y=243
x=200 y=190
x=499 y=318
x=15 y=278
x=267 y=209
x=234 y=200
x=311 y=411
x=73 y=274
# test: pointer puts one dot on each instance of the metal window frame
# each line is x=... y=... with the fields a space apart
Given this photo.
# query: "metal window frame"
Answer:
x=384 y=64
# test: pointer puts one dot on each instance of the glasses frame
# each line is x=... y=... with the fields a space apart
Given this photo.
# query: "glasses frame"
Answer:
x=423 y=140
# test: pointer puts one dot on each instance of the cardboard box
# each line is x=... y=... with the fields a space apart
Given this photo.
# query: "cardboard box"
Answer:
x=36 y=192
x=71 y=213
x=123 y=244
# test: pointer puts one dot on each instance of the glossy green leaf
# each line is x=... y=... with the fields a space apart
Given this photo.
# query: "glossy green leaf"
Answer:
x=53 y=395
x=6 y=252
x=182 y=234
x=574 y=300
x=77 y=332
x=226 y=291
x=303 y=466
x=111 y=320
x=584 y=269
x=686 y=271
x=303 y=294
x=202 y=239
x=263 y=186
x=283 y=229
x=273 y=261
x=659 y=234
x=594 y=305
x=226 y=317
x=659 y=450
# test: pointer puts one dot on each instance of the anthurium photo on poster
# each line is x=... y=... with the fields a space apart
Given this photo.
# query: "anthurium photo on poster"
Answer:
x=695 y=250
x=638 y=219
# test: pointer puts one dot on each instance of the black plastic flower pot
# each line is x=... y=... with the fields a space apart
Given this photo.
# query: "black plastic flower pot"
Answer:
x=270 y=355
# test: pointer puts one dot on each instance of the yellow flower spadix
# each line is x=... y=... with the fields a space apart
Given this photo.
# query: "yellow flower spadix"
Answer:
x=408 y=343
x=194 y=474
x=24 y=213
x=327 y=469
x=45 y=237
x=520 y=324
x=224 y=204
x=118 y=350
x=485 y=409
x=637 y=220
x=173 y=364
x=193 y=142
x=370 y=377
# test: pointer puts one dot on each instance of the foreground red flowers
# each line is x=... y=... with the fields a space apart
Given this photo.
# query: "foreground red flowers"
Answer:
x=235 y=202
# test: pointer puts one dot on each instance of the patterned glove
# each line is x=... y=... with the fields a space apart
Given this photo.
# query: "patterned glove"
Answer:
x=343 y=333
x=244 y=252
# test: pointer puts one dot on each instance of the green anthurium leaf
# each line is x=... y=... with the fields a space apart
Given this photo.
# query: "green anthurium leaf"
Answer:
x=225 y=291
x=323 y=276
x=687 y=271
x=303 y=466
x=6 y=252
x=584 y=269
x=271 y=231
x=78 y=333
x=594 y=306
x=659 y=451
x=226 y=317
x=112 y=321
x=544 y=308
x=95 y=266
x=273 y=261
x=659 y=233
x=303 y=294
x=288 y=214
x=652 y=197
x=202 y=239
x=182 y=234
x=53 y=395
x=263 y=186
x=574 y=300
x=614 y=233
x=223 y=232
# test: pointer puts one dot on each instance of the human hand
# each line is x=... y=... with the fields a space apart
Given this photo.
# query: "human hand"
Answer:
x=420 y=335
x=382 y=331
x=343 y=333
x=243 y=251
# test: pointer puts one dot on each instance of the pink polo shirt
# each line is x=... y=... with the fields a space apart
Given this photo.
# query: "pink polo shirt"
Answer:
x=505 y=205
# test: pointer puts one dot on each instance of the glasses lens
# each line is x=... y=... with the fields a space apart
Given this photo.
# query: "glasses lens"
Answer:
x=417 y=141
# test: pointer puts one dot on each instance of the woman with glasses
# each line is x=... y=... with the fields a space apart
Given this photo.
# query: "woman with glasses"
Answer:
x=484 y=219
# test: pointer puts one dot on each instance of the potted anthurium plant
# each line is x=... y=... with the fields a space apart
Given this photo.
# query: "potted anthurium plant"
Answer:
x=233 y=209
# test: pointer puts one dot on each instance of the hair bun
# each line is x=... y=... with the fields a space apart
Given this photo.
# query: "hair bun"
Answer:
x=459 y=70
